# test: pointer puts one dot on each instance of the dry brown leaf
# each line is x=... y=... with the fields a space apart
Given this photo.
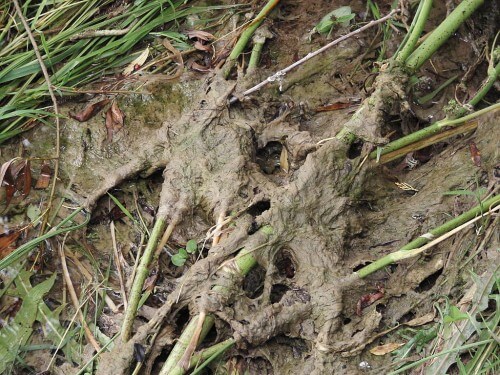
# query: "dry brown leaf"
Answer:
x=427 y=318
x=114 y=121
x=202 y=35
x=89 y=111
x=137 y=63
x=198 y=67
x=202 y=47
x=385 y=349
x=178 y=58
x=44 y=179
x=284 y=159
x=7 y=243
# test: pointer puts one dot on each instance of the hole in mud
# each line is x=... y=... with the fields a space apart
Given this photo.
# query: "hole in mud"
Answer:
x=354 y=150
x=254 y=227
x=361 y=265
x=210 y=337
x=259 y=208
x=407 y=317
x=285 y=264
x=277 y=292
x=346 y=321
x=181 y=319
x=429 y=282
x=380 y=308
x=253 y=284
x=268 y=157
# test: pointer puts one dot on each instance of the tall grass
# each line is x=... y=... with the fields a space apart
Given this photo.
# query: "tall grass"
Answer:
x=72 y=62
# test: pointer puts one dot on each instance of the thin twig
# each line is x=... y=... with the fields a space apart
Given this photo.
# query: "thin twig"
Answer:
x=278 y=76
x=54 y=102
x=74 y=299
x=118 y=265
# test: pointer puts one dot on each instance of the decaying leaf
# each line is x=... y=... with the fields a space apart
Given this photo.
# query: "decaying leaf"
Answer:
x=198 y=67
x=202 y=47
x=385 y=349
x=15 y=175
x=177 y=56
x=475 y=154
x=44 y=179
x=202 y=35
x=427 y=318
x=341 y=104
x=89 y=111
x=137 y=63
x=114 y=121
x=368 y=299
x=284 y=159
x=8 y=242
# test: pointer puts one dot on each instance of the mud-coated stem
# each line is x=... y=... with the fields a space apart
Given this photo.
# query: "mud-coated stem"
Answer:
x=435 y=128
x=416 y=30
x=240 y=265
x=142 y=273
x=441 y=34
x=405 y=251
x=246 y=35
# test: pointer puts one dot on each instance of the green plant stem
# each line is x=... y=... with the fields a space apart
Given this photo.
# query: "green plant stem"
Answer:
x=240 y=265
x=415 y=31
x=255 y=56
x=435 y=128
x=422 y=240
x=24 y=249
x=425 y=359
x=246 y=35
x=141 y=275
x=209 y=354
x=441 y=34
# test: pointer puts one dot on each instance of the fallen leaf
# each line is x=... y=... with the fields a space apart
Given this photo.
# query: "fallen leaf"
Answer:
x=202 y=35
x=202 y=47
x=341 y=104
x=385 y=349
x=44 y=179
x=114 y=121
x=198 y=67
x=89 y=111
x=7 y=242
x=427 y=318
x=368 y=299
x=137 y=63
x=178 y=58
x=15 y=175
x=475 y=154
x=284 y=159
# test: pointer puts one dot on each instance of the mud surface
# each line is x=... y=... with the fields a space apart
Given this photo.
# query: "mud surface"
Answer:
x=271 y=160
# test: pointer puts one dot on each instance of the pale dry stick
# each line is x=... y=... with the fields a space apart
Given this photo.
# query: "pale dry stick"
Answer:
x=87 y=34
x=186 y=358
x=72 y=320
x=279 y=75
x=118 y=264
x=85 y=272
x=74 y=298
x=54 y=103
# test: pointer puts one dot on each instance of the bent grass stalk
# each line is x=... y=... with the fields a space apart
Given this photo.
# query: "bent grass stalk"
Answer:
x=406 y=251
